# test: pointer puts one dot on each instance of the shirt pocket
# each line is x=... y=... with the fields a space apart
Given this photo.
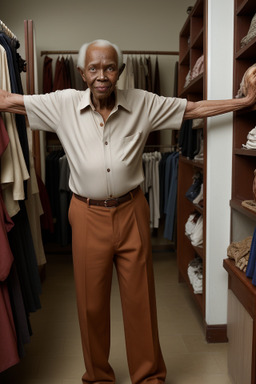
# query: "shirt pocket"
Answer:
x=130 y=147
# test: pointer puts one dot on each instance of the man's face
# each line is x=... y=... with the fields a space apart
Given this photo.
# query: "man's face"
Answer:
x=101 y=71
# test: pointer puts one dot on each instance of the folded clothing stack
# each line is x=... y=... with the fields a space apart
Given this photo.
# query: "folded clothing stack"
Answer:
x=251 y=32
x=251 y=140
x=195 y=274
x=249 y=204
x=195 y=187
x=196 y=71
x=194 y=229
x=195 y=191
x=239 y=251
x=188 y=79
x=198 y=199
x=198 y=68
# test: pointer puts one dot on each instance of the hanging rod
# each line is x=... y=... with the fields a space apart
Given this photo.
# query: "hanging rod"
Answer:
x=125 y=52
x=59 y=53
x=167 y=53
x=6 y=30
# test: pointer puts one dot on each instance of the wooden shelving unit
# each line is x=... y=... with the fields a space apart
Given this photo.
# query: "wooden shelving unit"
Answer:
x=243 y=220
x=192 y=46
x=244 y=160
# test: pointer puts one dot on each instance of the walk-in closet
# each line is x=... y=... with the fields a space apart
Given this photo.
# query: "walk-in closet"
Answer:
x=199 y=185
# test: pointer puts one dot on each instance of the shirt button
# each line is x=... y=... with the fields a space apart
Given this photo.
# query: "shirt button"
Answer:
x=106 y=143
x=101 y=124
x=108 y=170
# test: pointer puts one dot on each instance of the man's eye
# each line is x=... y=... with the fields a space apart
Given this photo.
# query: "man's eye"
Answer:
x=92 y=69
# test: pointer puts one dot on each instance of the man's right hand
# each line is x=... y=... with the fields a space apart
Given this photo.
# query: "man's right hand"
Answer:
x=11 y=102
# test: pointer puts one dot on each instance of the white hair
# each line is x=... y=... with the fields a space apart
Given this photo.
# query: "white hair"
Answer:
x=99 y=43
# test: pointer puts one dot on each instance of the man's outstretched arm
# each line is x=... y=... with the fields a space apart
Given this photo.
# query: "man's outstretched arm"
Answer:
x=207 y=108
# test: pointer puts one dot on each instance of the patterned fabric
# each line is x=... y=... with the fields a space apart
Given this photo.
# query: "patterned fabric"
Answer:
x=196 y=71
x=198 y=67
x=239 y=251
x=251 y=33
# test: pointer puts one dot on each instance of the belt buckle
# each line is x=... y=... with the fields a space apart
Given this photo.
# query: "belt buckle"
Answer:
x=107 y=203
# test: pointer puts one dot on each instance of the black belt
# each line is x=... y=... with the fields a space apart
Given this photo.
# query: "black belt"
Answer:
x=111 y=202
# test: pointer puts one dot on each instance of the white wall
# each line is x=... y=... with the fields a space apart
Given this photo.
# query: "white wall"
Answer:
x=132 y=24
x=219 y=157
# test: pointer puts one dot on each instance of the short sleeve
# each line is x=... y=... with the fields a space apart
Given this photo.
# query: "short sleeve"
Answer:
x=166 y=112
x=44 y=111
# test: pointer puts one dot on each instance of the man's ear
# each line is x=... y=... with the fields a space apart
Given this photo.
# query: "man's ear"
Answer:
x=121 y=70
x=82 y=74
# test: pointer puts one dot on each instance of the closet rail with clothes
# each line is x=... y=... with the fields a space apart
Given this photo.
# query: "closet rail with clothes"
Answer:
x=160 y=187
x=20 y=210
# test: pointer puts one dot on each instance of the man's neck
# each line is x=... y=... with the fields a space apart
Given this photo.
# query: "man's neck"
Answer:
x=104 y=106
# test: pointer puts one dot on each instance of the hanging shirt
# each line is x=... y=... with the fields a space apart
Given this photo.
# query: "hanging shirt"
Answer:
x=13 y=166
x=104 y=158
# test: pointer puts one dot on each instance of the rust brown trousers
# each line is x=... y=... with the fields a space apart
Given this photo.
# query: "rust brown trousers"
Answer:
x=120 y=236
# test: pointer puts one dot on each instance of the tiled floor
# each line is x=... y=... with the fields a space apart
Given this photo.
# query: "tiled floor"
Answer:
x=54 y=355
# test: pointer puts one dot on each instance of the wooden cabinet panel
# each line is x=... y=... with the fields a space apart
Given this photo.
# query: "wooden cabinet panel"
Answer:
x=192 y=46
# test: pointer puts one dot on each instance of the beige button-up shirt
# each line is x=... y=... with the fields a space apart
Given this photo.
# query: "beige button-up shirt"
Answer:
x=105 y=159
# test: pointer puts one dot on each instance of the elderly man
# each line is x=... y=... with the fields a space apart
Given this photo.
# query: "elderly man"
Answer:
x=103 y=131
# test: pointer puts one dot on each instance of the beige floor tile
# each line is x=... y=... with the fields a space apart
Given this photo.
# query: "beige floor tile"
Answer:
x=192 y=363
x=198 y=344
x=199 y=379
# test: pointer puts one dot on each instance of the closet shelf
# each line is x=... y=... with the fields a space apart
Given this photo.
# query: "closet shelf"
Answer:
x=244 y=152
x=246 y=111
x=198 y=298
x=198 y=208
x=195 y=86
x=198 y=40
x=247 y=52
x=197 y=164
x=199 y=251
x=185 y=31
x=237 y=205
x=242 y=286
x=246 y=7
x=185 y=58
x=198 y=10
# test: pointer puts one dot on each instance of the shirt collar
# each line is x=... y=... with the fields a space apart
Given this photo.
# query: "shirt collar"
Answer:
x=121 y=101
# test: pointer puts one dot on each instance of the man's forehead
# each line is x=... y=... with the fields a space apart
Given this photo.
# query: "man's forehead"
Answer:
x=104 y=51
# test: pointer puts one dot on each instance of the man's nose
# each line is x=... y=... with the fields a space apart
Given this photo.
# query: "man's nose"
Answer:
x=102 y=75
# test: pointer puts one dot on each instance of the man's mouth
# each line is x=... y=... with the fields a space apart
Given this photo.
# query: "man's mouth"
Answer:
x=102 y=89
